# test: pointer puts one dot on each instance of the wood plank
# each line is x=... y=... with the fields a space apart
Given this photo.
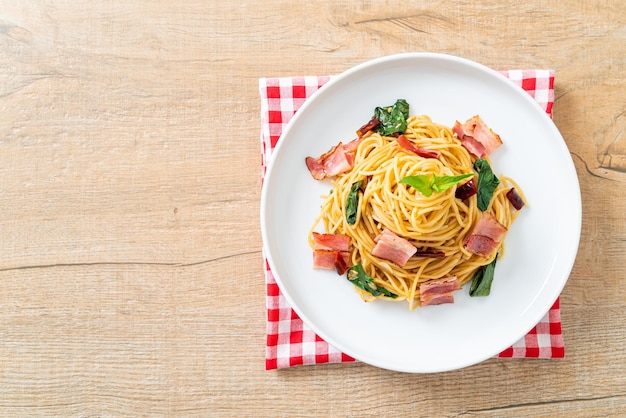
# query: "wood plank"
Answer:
x=131 y=270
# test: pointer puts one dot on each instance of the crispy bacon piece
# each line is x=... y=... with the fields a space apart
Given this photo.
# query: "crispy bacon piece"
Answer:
x=323 y=259
x=404 y=142
x=477 y=137
x=351 y=146
x=372 y=124
x=483 y=134
x=486 y=236
x=338 y=159
x=473 y=146
x=481 y=245
x=341 y=262
x=438 y=300
x=468 y=141
x=438 y=291
x=489 y=226
x=391 y=247
x=458 y=130
x=316 y=167
x=515 y=198
x=330 y=242
x=438 y=286
x=331 y=251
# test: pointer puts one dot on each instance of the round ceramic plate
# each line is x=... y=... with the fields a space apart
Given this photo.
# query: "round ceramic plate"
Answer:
x=541 y=245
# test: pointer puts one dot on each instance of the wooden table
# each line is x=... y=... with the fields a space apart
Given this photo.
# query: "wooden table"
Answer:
x=131 y=278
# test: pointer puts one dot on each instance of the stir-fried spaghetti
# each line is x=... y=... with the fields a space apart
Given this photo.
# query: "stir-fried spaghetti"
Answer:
x=437 y=225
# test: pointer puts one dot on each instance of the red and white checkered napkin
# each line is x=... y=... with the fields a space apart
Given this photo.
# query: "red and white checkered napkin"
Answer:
x=290 y=341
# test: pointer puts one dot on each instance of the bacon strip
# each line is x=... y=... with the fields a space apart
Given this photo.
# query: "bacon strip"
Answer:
x=342 y=259
x=438 y=300
x=351 y=146
x=335 y=161
x=438 y=291
x=330 y=242
x=477 y=137
x=483 y=134
x=338 y=159
x=404 y=142
x=439 y=286
x=489 y=226
x=329 y=260
x=391 y=247
x=486 y=236
x=331 y=251
x=481 y=245
x=316 y=167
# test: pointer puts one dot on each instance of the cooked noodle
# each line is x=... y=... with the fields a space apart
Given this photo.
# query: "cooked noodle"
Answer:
x=440 y=222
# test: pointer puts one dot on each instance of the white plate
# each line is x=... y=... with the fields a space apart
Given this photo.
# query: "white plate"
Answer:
x=541 y=245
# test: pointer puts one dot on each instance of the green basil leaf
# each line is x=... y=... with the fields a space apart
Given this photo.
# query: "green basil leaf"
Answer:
x=392 y=118
x=358 y=277
x=352 y=202
x=487 y=183
x=481 y=282
x=443 y=183
x=420 y=182
x=427 y=184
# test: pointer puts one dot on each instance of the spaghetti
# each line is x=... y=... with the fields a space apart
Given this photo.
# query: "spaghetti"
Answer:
x=435 y=224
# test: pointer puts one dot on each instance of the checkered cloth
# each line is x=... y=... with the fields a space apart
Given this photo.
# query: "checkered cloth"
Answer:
x=290 y=341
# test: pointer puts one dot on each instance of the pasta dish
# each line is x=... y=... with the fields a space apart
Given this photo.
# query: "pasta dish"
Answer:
x=414 y=211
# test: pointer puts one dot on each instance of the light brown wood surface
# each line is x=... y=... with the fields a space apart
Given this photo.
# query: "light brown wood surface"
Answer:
x=131 y=273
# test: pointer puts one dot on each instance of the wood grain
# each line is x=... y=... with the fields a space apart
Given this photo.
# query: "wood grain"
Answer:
x=131 y=269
